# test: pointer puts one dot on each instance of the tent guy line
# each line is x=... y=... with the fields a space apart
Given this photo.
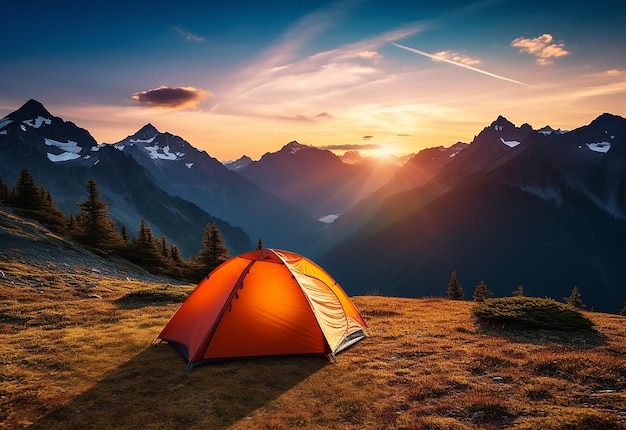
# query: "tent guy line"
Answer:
x=456 y=63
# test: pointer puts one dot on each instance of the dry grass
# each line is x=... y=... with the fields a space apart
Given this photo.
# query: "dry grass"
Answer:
x=74 y=361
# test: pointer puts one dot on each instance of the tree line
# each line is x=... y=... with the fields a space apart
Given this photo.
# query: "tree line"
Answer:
x=93 y=228
x=482 y=293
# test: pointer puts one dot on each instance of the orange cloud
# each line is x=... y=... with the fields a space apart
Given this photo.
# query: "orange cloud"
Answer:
x=456 y=57
x=171 y=97
x=541 y=47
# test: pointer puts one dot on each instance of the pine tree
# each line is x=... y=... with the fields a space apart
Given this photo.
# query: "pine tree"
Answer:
x=214 y=252
x=36 y=203
x=481 y=293
x=177 y=258
x=259 y=244
x=50 y=215
x=575 y=299
x=26 y=194
x=623 y=310
x=145 y=237
x=124 y=234
x=164 y=248
x=519 y=292
x=455 y=292
x=95 y=229
x=146 y=250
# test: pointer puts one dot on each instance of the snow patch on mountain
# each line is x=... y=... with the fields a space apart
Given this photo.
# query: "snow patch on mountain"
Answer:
x=150 y=140
x=165 y=153
x=189 y=165
x=329 y=218
x=510 y=143
x=71 y=150
x=599 y=146
x=37 y=122
x=4 y=122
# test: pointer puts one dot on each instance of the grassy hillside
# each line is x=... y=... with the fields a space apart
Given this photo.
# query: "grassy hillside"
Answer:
x=75 y=353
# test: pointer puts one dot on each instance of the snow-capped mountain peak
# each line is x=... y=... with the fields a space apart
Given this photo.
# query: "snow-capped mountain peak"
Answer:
x=293 y=147
x=31 y=115
x=159 y=147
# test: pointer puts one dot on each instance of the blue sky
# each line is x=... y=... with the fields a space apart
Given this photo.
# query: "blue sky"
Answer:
x=247 y=77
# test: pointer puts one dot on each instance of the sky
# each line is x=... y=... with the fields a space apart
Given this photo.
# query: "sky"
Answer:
x=379 y=76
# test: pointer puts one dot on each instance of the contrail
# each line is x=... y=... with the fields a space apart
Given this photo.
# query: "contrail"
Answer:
x=434 y=57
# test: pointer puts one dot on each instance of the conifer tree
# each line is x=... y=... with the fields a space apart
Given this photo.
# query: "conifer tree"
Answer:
x=36 y=203
x=623 y=310
x=214 y=252
x=164 y=248
x=575 y=299
x=481 y=293
x=259 y=244
x=95 y=229
x=145 y=237
x=25 y=194
x=455 y=292
x=124 y=234
x=519 y=292
x=177 y=258
x=145 y=250
x=50 y=215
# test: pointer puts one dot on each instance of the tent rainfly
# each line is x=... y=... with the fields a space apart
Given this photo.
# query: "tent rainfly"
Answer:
x=264 y=303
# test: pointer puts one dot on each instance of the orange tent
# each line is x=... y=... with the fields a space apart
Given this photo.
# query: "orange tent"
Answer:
x=262 y=303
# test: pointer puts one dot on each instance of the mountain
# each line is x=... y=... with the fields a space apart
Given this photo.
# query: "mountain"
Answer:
x=238 y=164
x=316 y=181
x=516 y=207
x=184 y=171
x=418 y=170
x=62 y=157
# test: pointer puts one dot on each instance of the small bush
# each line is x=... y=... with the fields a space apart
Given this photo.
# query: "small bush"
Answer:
x=530 y=312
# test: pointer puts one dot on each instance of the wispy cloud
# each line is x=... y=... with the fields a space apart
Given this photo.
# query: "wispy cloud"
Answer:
x=171 y=97
x=189 y=37
x=447 y=59
x=282 y=80
x=542 y=47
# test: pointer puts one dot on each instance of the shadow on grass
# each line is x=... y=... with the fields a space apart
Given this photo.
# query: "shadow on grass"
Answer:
x=154 y=297
x=581 y=339
x=147 y=391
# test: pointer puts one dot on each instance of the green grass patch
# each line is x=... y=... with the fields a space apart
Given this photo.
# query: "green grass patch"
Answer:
x=530 y=313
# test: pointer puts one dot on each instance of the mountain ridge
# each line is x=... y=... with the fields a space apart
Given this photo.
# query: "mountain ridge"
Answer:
x=546 y=212
x=62 y=157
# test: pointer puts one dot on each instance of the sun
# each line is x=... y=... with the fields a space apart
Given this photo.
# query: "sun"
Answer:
x=385 y=152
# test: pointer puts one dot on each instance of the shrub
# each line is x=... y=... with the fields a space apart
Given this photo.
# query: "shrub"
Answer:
x=530 y=312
